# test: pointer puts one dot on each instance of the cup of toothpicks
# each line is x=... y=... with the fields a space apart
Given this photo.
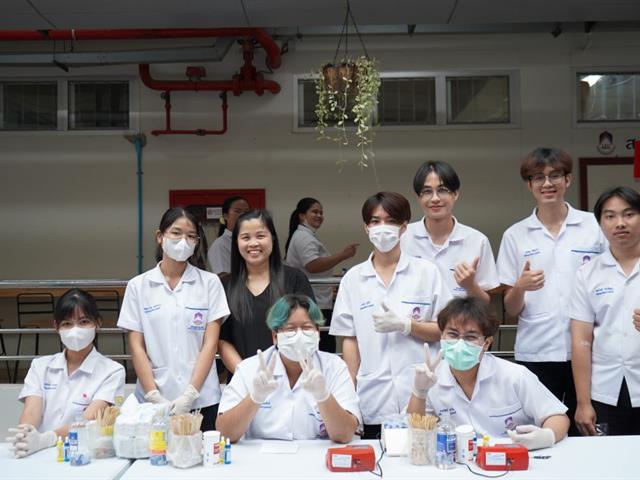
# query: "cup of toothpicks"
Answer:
x=101 y=432
x=422 y=439
x=185 y=440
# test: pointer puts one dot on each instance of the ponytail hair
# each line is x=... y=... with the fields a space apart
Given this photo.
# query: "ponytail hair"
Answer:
x=303 y=206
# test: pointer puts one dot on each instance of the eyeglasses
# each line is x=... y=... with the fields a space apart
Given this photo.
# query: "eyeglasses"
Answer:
x=291 y=331
x=467 y=337
x=442 y=192
x=191 y=238
x=554 y=177
x=69 y=324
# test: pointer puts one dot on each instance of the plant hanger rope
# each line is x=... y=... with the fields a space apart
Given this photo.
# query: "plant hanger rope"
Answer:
x=345 y=34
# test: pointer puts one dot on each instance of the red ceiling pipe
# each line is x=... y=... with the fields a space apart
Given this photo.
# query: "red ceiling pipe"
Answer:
x=272 y=49
x=237 y=85
x=199 y=131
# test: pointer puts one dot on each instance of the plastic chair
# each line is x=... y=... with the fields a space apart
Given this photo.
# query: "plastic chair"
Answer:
x=35 y=310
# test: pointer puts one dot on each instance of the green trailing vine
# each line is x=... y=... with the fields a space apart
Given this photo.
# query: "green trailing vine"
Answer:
x=352 y=95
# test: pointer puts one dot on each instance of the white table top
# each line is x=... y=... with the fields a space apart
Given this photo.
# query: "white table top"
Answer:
x=583 y=458
x=43 y=465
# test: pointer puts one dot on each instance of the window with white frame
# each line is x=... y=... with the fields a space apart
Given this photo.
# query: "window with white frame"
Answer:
x=73 y=105
x=478 y=99
x=29 y=105
x=429 y=99
x=608 y=97
x=98 y=105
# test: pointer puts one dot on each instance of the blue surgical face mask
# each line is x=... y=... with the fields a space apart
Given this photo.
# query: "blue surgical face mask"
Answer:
x=460 y=354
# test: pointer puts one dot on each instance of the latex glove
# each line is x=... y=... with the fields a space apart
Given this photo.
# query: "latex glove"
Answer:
x=425 y=374
x=313 y=381
x=390 y=322
x=533 y=437
x=263 y=383
x=27 y=440
x=154 y=396
x=183 y=403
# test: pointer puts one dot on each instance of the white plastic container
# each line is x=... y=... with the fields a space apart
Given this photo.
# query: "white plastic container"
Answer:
x=210 y=448
x=465 y=444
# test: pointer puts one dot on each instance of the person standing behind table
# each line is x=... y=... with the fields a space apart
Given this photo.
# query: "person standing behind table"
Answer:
x=258 y=278
x=219 y=254
x=386 y=309
x=173 y=313
x=58 y=387
x=495 y=396
x=605 y=321
x=537 y=263
x=306 y=252
x=463 y=254
x=291 y=391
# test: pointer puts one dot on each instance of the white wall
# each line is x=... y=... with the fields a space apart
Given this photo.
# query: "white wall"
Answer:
x=68 y=202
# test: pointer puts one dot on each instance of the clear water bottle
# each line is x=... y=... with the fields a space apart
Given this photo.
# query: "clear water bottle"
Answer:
x=158 y=441
x=446 y=443
x=79 y=453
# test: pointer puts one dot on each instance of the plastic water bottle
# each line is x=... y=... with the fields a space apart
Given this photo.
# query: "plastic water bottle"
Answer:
x=158 y=441
x=79 y=442
x=446 y=443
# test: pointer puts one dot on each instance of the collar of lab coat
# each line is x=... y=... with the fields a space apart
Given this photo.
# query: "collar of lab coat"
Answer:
x=88 y=365
x=368 y=269
x=573 y=218
x=189 y=275
x=457 y=234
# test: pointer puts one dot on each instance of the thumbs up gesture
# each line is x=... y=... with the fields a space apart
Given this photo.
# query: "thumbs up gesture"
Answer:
x=530 y=280
x=389 y=321
x=465 y=274
x=263 y=383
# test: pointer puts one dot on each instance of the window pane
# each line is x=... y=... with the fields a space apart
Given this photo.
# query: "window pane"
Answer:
x=407 y=101
x=479 y=99
x=29 y=106
x=609 y=97
x=99 y=105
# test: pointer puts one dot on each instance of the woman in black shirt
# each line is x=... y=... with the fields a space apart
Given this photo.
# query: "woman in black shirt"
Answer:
x=258 y=278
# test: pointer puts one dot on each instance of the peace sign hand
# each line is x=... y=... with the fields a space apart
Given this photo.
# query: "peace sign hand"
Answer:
x=263 y=383
x=425 y=374
x=313 y=381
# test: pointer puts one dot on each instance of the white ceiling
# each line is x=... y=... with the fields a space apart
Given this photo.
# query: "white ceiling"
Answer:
x=64 y=14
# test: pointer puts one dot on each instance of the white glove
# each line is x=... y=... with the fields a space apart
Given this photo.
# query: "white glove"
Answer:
x=263 y=383
x=183 y=403
x=27 y=440
x=533 y=437
x=425 y=374
x=154 y=396
x=390 y=322
x=313 y=381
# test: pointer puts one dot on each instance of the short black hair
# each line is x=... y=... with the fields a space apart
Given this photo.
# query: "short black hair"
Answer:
x=628 y=194
x=447 y=174
x=538 y=159
x=395 y=204
x=470 y=309
x=72 y=299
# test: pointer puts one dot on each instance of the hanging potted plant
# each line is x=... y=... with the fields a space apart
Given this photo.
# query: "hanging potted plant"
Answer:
x=348 y=94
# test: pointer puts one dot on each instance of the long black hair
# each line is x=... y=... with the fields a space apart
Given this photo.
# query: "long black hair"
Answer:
x=303 y=206
x=226 y=205
x=238 y=295
x=198 y=259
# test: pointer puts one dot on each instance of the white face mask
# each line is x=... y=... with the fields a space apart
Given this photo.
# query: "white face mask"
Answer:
x=299 y=344
x=384 y=237
x=178 y=250
x=77 y=338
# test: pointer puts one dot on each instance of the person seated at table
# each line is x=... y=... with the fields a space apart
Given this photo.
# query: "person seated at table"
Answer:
x=291 y=391
x=78 y=381
x=495 y=396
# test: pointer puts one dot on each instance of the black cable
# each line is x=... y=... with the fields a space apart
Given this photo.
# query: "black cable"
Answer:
x=485 y=475
x=35 y=9
x=453 y=10
x=382 y=452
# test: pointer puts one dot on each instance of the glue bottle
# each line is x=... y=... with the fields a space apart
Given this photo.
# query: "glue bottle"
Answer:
x=158 y=441
x=60 y=450
x=446 y=443
x=66 y=448
x=221 y=450
x=227 y=451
